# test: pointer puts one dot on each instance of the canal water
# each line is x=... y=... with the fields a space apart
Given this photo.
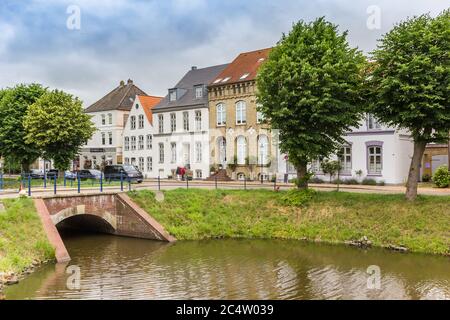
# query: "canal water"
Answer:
x=122 y=268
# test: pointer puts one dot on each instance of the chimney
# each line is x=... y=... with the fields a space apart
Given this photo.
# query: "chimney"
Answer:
x=122 y=83
x=130 y=81
x=194 y=68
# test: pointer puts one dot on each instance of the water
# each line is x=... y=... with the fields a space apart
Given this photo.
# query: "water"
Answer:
x=123 y=268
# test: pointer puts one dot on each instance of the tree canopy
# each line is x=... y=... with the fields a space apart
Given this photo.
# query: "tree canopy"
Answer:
x=310 y=90
x=58 y=126
x=409 y=83
x=14 y=103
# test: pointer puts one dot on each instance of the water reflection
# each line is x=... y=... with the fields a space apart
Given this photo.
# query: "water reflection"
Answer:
x=122 y=268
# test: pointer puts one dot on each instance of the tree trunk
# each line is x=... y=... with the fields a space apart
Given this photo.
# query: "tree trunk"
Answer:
x=302 y=182
x=414 y=171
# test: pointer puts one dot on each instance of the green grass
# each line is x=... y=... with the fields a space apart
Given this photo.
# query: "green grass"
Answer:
x=22 y=238
x=10 y=183
x=422 y=226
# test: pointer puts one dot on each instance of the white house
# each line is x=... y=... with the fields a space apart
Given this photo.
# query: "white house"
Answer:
x=181 y=121
x=372 y=151
x=109 y=116
x=138 y=146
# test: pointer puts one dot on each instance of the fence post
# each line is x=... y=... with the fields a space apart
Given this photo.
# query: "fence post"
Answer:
x=121 y=181
x=101 y=181
x=45 y=178
x=187 y=182
x=215 y=180
x=129 y=184
x=79 y=182
x=275 y=184
x=245 y=184
x=54 y=184
x=65 y=182
x=29 y=185
x=1 y=181
x=159 y=183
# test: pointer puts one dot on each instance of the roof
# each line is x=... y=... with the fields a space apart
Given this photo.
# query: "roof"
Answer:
x=121 y=98
x=243 y=68
x=148 y=102
x=185 y=88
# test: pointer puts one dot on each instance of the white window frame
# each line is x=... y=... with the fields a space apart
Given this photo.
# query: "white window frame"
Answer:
x=141 y=164
x=372 y=123
x=173 y=122
x=186 y=121
x=161 y=152
x=149 y=142
x=110 y=138
x=127 y=144
x=161 y=123
x=241 y=113
x=198 y=120
x=103 y=119
x=198 y=152
x=133 y=122
x=141 y=121
x=199 y=92
x=241 y=150
x=103 y=139
x=346 y=159
x=373 y=169
x=149 y=164
x=133 y=143
x=173 y=152
x=263 y=150
x=221 y=115
x=110 y=118
x=141 y=142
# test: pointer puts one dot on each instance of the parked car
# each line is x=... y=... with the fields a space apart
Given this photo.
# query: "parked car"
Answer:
x=125 y=172
x=35 y=174
x=90 y=174
x=52 y=174
x=69 y=175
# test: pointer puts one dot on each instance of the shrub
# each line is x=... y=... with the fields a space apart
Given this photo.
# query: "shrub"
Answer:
x=369 y=182
x=298 y=198
x=426 y=178
x=381 y=183
x=316 y=180
x=441 y=177
x=351 y=181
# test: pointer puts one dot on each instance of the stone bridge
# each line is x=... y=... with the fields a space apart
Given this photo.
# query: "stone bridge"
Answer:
x=111 y=213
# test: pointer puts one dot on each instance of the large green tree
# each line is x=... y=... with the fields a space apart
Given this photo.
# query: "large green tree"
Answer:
x=14 y=104
x=309 y=89
x=57 y=124
x=410 y=84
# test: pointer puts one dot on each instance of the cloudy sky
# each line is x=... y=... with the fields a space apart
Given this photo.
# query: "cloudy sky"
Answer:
x=154 y=42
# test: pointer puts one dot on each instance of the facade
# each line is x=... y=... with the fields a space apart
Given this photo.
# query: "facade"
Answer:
x=435 y=156
x=239 y=141
x=109 y=116
x=181 y=121
x=373 y=151
x=138 y=147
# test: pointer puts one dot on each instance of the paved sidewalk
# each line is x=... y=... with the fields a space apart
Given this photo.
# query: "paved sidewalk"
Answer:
x=240 y=185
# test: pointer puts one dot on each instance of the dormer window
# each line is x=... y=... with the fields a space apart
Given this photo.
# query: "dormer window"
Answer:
x=226 y=79
x=198 y=92
x=245 y=76
x=173 y=95
x=372 y=123
x=217 y=81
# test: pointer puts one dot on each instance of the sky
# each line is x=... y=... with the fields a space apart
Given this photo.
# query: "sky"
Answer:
x=155 y=42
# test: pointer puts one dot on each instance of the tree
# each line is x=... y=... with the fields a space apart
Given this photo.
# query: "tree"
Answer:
x=14 y=104
x=331 y=167
x=409 y=84
x=57 y=124
x=309 y=89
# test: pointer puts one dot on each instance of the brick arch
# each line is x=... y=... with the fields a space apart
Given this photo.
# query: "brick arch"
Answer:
x=70 y=212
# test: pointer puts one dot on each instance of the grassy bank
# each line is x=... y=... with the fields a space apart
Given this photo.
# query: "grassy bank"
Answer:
x=22 y=238
x=422 y=226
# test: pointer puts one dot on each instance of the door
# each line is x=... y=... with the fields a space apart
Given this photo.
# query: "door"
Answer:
x=222 y=147
x=186 y=155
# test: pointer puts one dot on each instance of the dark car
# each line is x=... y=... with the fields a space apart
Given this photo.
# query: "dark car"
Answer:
x=123 y=172
x=90 y=174
x=52 y=174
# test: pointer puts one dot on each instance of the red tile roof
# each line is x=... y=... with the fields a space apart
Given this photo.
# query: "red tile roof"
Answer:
x=148 y=102
x=243 y=68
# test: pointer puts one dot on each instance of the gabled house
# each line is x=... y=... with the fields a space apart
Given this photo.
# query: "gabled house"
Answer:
x=138 y=135
x=181 y=121
x=109 y=116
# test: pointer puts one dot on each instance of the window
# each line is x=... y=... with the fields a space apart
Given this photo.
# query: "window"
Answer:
x=198 y=174
x=161 y=153
x=110 y=118
x=221 y=115
x=226 y=79
x=173 y=122
x=173 y=152
x=198 y=120
x=198 y=92
x=375 y=160
x=141 y=143
x=110 y=138
x=315 y=167
x=263 y=150
x=141 y=121
x=141 y=164
x=133 y=161
x=345 y=158
x=127 y=160
x=133 y=122
x=149 y=142
x=241 y=150
x=127 y=143
x=161 y=123
x=133 y=143
x=259 y=115
x=149 y=164
x=186 y=121
x=103 y=138
x=241 y=113
x=198 y=152
x=172 y=95
x=103 y=120
x=372 y=123
x=245 y=76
